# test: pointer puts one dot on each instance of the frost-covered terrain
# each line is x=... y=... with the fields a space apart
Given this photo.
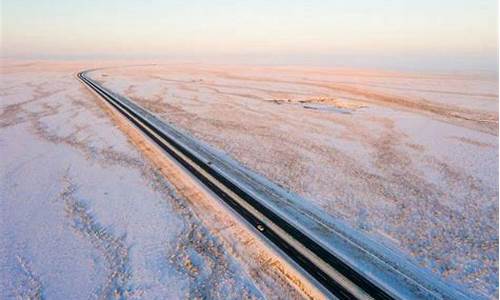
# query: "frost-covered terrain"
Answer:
x=84 y=215
x=410 y=159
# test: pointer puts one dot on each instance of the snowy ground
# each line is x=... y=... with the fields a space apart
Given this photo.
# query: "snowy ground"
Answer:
x=84 y=215
x=411 y=159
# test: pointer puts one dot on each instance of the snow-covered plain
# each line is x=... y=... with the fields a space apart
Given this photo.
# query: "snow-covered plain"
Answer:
x=83 y=214
x=410 y=159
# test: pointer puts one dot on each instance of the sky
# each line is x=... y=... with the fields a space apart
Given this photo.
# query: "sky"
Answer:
x=454 y=34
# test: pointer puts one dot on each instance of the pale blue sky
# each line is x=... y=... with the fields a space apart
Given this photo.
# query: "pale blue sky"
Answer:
x=363 y=32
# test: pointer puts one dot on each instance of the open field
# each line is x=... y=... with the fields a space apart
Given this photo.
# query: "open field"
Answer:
x=410 y=159
x=84 y=213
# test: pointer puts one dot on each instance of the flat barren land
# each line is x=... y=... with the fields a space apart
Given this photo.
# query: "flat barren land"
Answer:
x=408 y=159
x=84 y=213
